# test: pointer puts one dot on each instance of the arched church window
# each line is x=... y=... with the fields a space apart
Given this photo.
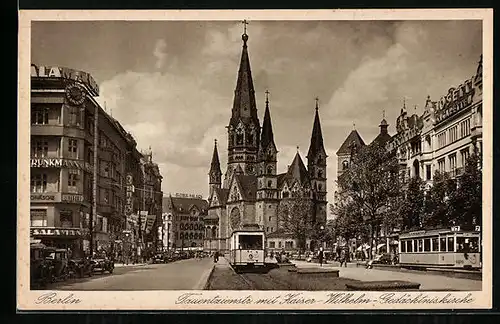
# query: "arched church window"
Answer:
x=250 y=139
x=320 y=187
x=320 y=174
x=269 y=169
x=345 y=165
x=285 y=194
x=269 y=183
x=214 y=232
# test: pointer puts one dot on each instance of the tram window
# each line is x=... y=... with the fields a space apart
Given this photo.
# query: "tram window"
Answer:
x=409 y=248
x=420 y=245
x=451 y=243
x=435 y=246
x=442 y=244
x=467 y=244
x=250 y=242
x=403 y=246
x=427 y=245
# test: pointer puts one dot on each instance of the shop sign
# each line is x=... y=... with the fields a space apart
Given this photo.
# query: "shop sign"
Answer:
x=43 y=197
x=129 y=197
x=72 y=198
x=59 y=163
x=65 y=73
x=184 y=195
x=55 y=232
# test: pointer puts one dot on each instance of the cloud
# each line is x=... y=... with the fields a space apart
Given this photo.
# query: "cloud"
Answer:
x=160 y=53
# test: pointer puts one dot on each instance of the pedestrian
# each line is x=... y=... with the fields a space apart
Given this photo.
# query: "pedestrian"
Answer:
x=343 y=258
x=216 y=257
x=320 y=256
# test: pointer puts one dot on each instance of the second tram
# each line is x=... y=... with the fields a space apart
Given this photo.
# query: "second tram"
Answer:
x=446 y=248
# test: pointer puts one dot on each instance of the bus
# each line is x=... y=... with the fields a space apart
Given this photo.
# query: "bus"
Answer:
x=453 y=247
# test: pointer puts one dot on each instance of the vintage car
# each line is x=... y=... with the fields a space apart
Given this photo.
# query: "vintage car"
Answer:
x=39 y=266
x=81 y=267
x=159 y=258
x=57 y=263
x=102 y=264
x=384 y=258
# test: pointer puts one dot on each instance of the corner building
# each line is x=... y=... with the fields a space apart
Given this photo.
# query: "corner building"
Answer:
x=251 y=190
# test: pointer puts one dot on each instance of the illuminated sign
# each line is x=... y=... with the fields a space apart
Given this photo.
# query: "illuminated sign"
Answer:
x=59 y=163
x=66 y=73
x=55 y=231
x=72 y=198
x=43 y=197
x=129 y=197
x=184 y=195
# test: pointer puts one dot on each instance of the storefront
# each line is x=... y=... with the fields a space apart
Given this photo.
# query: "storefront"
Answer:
x=63 y=238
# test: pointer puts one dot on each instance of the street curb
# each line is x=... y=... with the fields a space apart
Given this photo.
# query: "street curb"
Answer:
x=207 y=283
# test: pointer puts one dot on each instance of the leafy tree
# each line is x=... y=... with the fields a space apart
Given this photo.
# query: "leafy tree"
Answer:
x=412 y=207
x=295 y=217
x=465 y=201
x=371 y=186
x=436 y=202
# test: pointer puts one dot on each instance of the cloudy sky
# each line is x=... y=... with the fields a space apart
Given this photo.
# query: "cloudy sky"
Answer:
x=171 y=84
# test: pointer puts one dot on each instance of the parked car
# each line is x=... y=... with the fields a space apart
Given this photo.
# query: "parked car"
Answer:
x=384 y=258
x=102 y=264
x=58 y=264
x=159 y=258
x=39 y=266
x=81 y=267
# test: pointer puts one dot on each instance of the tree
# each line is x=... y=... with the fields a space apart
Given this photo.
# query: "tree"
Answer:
x=348 y=221
x=465 y=201
x=372 y=185
x=412 y=207
x=295 y=217
x=436 y=202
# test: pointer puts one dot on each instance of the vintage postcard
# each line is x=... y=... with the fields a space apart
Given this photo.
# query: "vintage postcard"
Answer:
x=221 y=160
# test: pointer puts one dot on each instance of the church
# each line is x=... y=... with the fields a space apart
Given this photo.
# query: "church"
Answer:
x=251 y=189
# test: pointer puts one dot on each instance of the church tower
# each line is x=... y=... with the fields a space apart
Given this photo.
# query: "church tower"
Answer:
x=267 y=186
x=244 y=127
x=214 y=176
x=316 y=166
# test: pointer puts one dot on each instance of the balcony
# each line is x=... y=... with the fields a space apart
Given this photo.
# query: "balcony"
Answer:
x=57 y=130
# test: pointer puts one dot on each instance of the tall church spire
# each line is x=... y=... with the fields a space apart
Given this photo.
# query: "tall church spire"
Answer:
x=316 y=136
x=215 y=165
x=267 y=128
x=244 y=105
x=215 y=174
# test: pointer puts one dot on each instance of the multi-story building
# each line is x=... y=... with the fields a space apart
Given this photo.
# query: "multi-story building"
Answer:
x=81 y=159
x=187 y=213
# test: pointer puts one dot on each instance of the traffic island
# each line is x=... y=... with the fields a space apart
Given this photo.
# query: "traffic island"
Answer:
x=391 y=285
x=317 y=272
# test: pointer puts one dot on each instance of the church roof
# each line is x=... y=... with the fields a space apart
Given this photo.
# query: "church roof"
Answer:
x=316 y=145
x=353 y=137
x=248 y=184
x=222 y=194
x=297 y=170
x=267 y=136
x=382 y=138
x=281 y=179
x=244 y=106
x=183 y=204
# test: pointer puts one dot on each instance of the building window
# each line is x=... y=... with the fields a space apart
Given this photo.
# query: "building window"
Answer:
x=441 y=139
x=239 y=139
x=279 y=244
x=289 y=244
x=40 y=116
x=428 y=172
x=270 y=218
x=465 y=128
x=38 y=183
x=73 y=148
x=66 y=217
x=453 y=134
x=105 y=168
x=74 y=118
x=269 y=183
x=38 y=217
x=345 y=165
x=441 y=165
x=267 y=230
x=272 y=244
x=465 y=155
x=453 y=161
x=40 y=149
x=73 y=178
x=272 y=229
x=285 y=194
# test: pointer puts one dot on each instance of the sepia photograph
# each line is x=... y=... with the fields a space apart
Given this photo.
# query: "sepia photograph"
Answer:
x=248 y=160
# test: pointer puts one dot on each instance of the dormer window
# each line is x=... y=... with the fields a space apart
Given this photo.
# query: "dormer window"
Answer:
x=345 y=165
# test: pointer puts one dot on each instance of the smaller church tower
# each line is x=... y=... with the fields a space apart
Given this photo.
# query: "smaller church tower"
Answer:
x=215 y=173
x=267 y=190
x=316 y=166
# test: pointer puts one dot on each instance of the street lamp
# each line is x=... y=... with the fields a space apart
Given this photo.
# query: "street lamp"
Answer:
x=322 y=228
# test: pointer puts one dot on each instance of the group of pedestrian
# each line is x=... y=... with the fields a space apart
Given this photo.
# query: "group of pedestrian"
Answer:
x=343 y=257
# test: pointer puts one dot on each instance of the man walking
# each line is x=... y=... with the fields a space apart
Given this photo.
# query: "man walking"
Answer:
x=343 y=258
x=320 y=257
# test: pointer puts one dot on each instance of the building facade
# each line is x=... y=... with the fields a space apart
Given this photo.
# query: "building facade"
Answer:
x=81 y=159
x=252 y=187
x=187 y=225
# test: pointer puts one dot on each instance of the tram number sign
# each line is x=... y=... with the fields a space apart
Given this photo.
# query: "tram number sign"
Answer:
x=477 y=228
x=455 y=228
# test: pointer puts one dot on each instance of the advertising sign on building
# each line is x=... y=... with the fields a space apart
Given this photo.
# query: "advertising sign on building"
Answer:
x=55 y=232
x=129 y=196
x=66 y=73
x=60 y=163
x=150 y=220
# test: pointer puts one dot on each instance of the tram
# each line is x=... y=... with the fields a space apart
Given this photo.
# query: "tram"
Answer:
x=247 y=248
x=444 y=248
